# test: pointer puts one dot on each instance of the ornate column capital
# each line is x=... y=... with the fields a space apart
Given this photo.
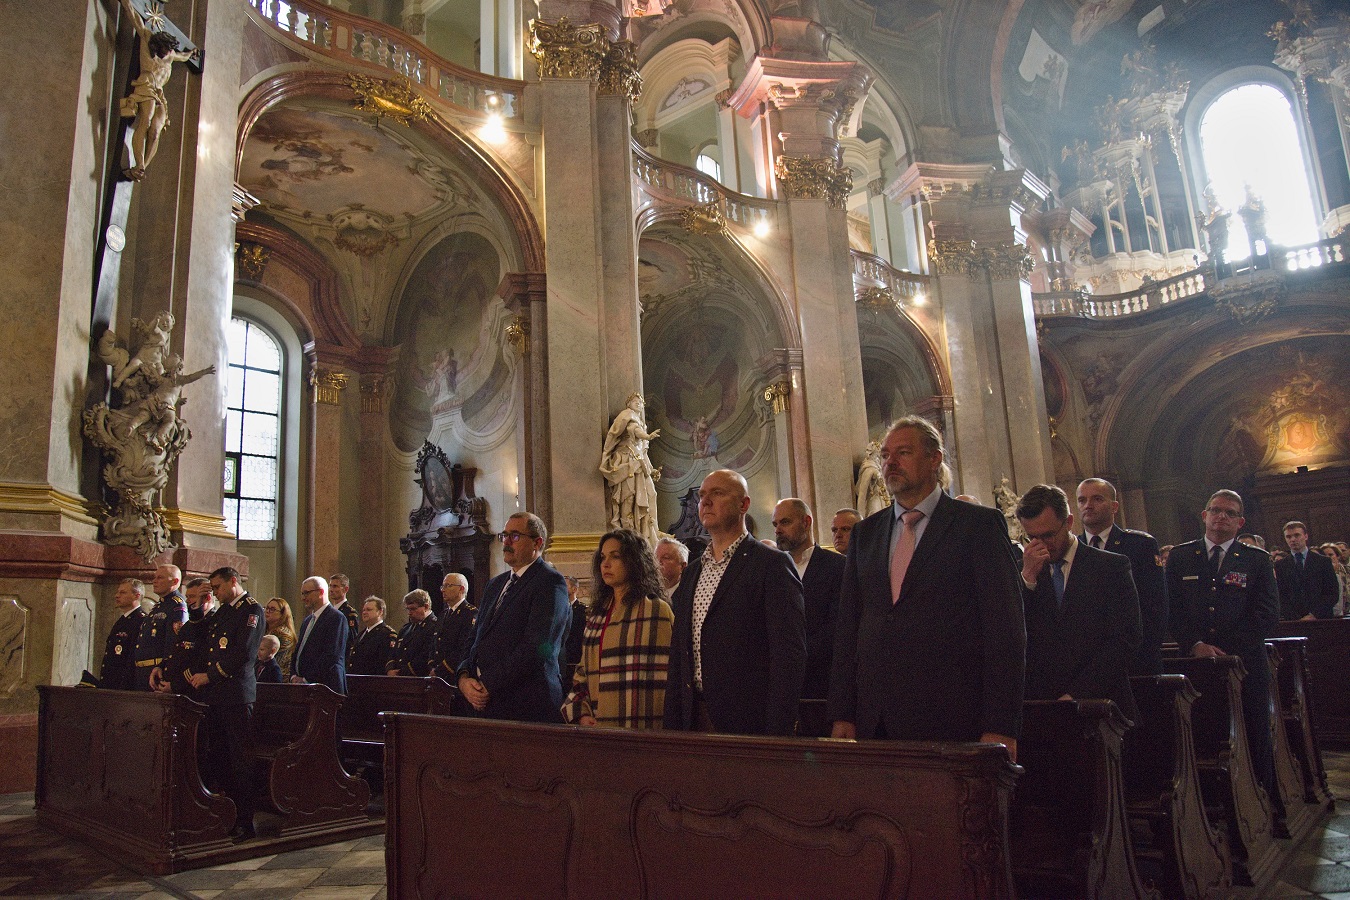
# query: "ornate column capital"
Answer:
x=1006 y=260
x=777 y=393
x=251 y=260
x=564 y=50
x=327 y=384
x=814 y=178
x=374 y=389
x=951 y=257
x=619 y=71
x=518 y=334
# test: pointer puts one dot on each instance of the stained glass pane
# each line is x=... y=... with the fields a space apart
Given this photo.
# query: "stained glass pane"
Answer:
x=232 y=515
x=264 y=391
x=257 y=520
x=259 y=477
x=263 y=352
x=238 y=341
x=231 y=475
x=233 y=431
x=260 y=434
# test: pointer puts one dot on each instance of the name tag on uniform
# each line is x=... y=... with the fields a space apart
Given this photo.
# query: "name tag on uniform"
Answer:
x=1236 y=579
x=1190 y=577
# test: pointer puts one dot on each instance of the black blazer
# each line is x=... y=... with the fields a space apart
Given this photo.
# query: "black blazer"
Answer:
x=323 y=657
x=1084 y=647
x=1312 y=589
x=1236 y=614
x=453 y=639
x=1150 y=583
x=515 y=649
x=753 y=645
x=947 y=661
x=820 y=591
x=267 y=672
x=371 y=650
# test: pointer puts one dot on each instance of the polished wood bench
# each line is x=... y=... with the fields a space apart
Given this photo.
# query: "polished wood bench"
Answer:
x=359 y=723
x=1294 y=816
x=1327 y=661
x=1295 y=707
x=567 y=812
x=1232 y=795
x=1163 y=796
x=296 y=743
x=1069 y=833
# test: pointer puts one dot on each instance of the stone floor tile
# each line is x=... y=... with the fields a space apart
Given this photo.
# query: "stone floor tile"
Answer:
x=1319 y=879
x=244 y=865
x=332 y=892
x=316 y=858
x=360 y=858
x=206 y=878
x=279 y=878
x=355 y=875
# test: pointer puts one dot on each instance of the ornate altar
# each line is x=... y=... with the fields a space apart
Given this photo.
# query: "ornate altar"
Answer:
x=449 y=531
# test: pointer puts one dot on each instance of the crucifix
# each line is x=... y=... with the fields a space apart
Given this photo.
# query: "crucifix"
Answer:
x=161 y=45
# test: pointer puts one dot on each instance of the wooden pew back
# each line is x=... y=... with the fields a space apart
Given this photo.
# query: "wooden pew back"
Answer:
x=556 y=811
x=1327 y=701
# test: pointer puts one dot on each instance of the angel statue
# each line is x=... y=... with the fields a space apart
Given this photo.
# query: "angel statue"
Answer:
x=871 y=495
x=630 y=480
x=142 y=432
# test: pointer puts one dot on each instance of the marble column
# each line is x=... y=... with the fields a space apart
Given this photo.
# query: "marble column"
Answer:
x=327 y=383
x=372 y=448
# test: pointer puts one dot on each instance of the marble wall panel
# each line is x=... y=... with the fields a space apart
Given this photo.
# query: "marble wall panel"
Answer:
x=13 y=638
x=74 y=624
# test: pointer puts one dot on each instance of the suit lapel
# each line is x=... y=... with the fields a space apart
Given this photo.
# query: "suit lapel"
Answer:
x=735 y=569
x=943 y=514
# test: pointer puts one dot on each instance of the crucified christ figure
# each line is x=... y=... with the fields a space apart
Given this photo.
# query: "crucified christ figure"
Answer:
x=146 y=102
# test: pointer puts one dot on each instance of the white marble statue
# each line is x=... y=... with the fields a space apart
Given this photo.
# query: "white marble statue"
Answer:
x=143 y=434
x=146 y=102
x=871 y=495
x=1005 y=498
x=630 y=480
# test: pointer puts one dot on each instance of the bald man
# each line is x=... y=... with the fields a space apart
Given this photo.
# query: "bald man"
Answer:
x=738 y=654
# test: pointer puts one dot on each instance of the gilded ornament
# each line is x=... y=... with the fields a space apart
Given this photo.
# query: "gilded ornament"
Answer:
x=815 y=178
x=951 y=257
x=252 y=259
x=564 y=50
x=518 y=334
x=1006 y=261
x=1249 y=299
x=372 y=392
x=619 y=71
x=777 y=394
x=704 y=218
x=396 y=100
x=327 y=386
x=877 y=299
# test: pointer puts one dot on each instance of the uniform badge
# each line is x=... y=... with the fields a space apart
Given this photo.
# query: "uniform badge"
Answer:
x=1236 y=579
x=252 y=620
x=1157 y=560
x=117 y=651
x=224 y=642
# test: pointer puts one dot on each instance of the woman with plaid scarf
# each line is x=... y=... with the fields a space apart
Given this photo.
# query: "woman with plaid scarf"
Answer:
x=621 y=679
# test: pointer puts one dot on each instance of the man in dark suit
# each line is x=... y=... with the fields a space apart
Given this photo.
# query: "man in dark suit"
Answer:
x=1309 y=588
x=1224 y=601
x=821 y=571
x=338 y=587
x=511 y=671
x=930 y=643
x=1097 y=507
x=376 y=644
x=455 y=634
x=119 y=656
x=738 y=650
x=413 y=656
x=321 y=646
x=1081 y=609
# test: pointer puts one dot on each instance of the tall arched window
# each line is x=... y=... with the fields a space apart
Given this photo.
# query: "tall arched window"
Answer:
x=252 y=432
x=1249 y=138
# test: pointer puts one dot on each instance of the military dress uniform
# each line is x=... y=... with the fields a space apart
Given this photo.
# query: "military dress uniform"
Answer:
x=158 y=636
x=119 y=655
x=372 y=651
x=453 y=640
x=188 y=655
x=353 y=626
x=416 y=643
x=227 y=655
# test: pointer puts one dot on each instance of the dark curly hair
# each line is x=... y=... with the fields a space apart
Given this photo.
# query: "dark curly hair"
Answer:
x=643 y=578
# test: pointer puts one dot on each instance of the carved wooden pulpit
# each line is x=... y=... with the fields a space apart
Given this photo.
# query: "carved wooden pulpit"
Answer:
x=449 y=531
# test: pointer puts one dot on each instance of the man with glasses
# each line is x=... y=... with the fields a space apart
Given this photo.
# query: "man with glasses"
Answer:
x=416 y=639
x=511 y=670
x=1224 y=602
x=321 y=646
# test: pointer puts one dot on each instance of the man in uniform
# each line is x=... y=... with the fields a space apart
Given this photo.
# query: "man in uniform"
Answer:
x=416 y=639
x=456 y=631
x=338 y=587
x=119 y=657
x=377 y=643
x=1224 y=602
x=159 y=631
x=227 y=685
x=187 y=654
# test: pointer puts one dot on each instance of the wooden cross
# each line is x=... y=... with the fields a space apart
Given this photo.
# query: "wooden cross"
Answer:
x=152 y=12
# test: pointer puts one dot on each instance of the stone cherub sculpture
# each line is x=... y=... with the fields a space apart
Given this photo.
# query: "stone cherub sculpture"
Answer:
x=630 y=480
x=870 y=494
x=146 y=102
x=142 y=432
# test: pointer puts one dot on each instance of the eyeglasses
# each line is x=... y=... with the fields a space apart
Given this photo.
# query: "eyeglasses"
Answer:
x=510 y=537
x=311 y=591
x=1223 y=513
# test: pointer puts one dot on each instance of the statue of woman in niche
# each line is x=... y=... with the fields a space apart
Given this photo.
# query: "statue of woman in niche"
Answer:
x=629 y=476
x=871 y=495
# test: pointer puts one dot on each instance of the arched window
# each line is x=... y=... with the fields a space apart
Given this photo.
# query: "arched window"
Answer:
x=252 y=432
x=1250 y=139
x=708 y=166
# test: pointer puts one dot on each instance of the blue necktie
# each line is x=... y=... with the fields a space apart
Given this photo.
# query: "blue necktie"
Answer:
x=1057 y=579
x=501 y=601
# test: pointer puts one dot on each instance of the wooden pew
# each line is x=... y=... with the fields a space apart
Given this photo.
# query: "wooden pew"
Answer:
x=295 y=738
x=1232 y=795
x=1298 y=721
x=1328 y=657
x=1294 y=816
x=1162 y=794
x=558 y=811
x=359 y=723
x=118 y=770
x=1069 y=832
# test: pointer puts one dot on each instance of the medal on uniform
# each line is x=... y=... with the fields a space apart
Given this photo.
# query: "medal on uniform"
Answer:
x=224 y=642
x=117 y=650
